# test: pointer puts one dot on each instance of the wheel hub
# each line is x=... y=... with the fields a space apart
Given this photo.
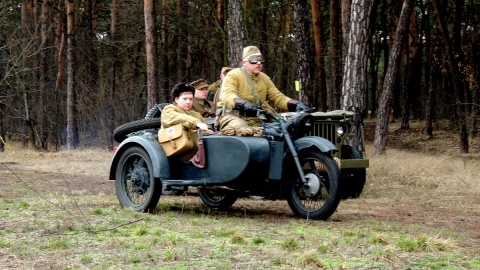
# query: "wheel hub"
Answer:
x=313 y=185
x=140 y=181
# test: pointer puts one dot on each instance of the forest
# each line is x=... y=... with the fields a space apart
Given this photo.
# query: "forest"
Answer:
x=73 y=70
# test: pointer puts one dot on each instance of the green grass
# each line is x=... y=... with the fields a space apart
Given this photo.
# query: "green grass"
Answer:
x=106 y=238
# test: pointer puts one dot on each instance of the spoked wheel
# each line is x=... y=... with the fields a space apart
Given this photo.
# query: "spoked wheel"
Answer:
x=134 y=181
x=320 y=197
x=217 y=198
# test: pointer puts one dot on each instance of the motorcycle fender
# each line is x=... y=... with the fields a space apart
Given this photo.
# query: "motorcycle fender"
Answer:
x=161 y=167
x=322 y=144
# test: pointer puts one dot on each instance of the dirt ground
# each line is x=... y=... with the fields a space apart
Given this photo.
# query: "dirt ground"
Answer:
x=436 y=212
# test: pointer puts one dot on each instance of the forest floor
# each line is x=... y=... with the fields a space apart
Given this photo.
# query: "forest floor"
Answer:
x=418 y=182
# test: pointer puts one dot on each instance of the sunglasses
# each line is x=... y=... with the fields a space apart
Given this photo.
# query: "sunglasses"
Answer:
x=254 y=59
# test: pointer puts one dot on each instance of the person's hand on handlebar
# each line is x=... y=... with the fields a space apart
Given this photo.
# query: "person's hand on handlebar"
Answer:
x=296 y=106
x=246 y=106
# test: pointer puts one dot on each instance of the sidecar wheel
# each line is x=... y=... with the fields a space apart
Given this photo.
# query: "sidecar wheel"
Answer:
x=217 y=198
x=134 y=181
x=320 y=198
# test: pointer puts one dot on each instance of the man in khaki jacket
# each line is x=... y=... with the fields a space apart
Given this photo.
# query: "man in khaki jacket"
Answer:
x=214 y=87
x=247 y=88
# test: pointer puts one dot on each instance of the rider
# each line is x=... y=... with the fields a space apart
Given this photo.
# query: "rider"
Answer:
x=214 y=87
x=180 y=112
x=247 y=88
x=200 y=103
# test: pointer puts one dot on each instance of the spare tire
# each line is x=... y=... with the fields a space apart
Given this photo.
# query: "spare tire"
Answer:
x=156 y=110
x=122 y=132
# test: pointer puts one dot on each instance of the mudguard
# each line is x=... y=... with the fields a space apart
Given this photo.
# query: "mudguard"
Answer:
x=161 y=168
x=322 y=144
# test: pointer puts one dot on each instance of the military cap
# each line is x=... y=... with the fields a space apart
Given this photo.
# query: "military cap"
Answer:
x=247 y=51
x=200 y=83
x=225 y=70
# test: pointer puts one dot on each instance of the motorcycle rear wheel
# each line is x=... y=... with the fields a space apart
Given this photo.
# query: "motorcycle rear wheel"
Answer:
x=135 y=184
x=217 y=198
x=320 y=198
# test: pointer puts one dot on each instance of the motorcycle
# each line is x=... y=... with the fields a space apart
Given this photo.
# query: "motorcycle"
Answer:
x=283 y=163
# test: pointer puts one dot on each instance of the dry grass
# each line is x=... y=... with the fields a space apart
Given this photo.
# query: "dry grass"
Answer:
x=78 y=161
x=420 y=210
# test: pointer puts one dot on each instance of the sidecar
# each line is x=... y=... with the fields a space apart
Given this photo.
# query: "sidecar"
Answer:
x=234 y=165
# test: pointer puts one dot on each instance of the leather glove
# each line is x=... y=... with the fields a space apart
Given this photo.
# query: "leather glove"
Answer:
x=246 y=106
x=296 y=106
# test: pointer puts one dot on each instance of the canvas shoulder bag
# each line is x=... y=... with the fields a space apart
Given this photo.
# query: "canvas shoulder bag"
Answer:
x=175 y=140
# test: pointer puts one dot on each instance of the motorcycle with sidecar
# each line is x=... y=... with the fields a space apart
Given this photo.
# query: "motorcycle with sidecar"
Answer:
x=283 y=163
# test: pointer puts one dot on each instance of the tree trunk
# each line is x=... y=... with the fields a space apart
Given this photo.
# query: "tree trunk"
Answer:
x=221 y=13
x=336 y=54
x=114 y=67
x=165 y=93
x=381 y=129
x=412 y=73
x=454 y=57
x=3 y=131
x=28 y=12
x=321 y=94
x=432 y=88
x=181 y=43
x=475 y=86
x=236 y=35
x=71 y=64
x=151 y=51
x=346 y=11
x=356 y=75
x=42 y=116
x=301 y=33
x=90 y=48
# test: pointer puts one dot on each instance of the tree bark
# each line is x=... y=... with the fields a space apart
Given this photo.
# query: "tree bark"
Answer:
x=151 y=51
x=301 y=33
x=355 y=79
x=165 y=93
x=336 y=54
x=412 y=73
x=42 y=116
x=346 y=11
x=236 y=35
x=182 y=43
x=72 y=143
x=432 y=88
x=321 y=94
x=114 y=66
x=454 y=58
x=475 y=86
x=381 y=129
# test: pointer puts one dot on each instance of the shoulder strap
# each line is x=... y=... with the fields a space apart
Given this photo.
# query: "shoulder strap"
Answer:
x=249 y=80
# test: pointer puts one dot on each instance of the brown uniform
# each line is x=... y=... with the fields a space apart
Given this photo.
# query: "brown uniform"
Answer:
x=235 y=85
x=213 y=88
x=173 y=115
x=204 y=107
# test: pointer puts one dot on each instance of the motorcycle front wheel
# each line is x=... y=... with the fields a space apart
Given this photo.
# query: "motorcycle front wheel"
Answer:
x=134 y=181
x=217 y=198
x=320 y=197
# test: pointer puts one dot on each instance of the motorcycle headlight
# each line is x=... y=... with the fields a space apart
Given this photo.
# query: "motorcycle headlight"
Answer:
x=341 y=130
